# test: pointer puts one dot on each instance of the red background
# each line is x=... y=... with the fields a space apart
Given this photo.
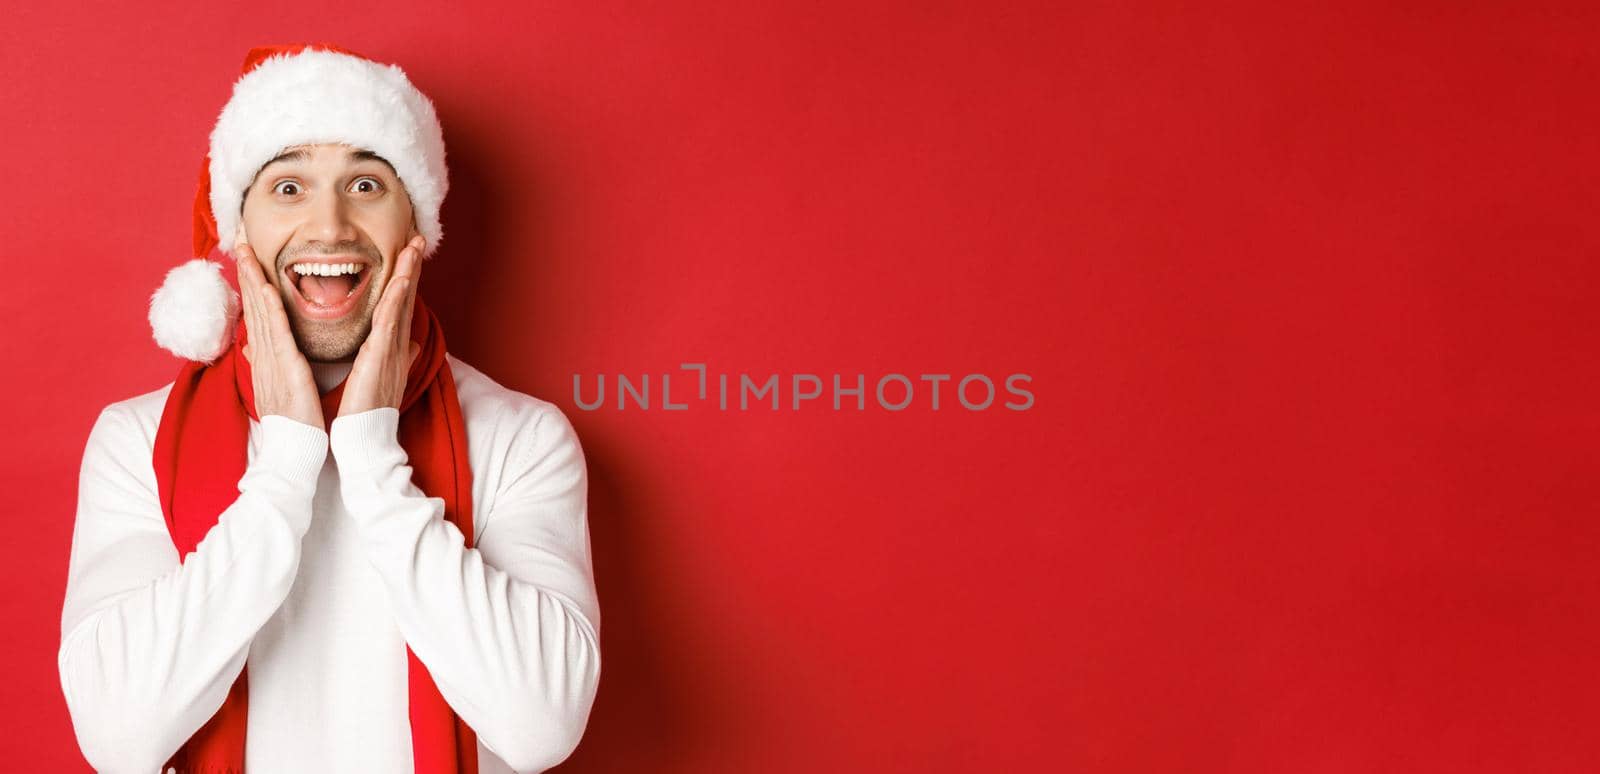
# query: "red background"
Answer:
x=1307 y=295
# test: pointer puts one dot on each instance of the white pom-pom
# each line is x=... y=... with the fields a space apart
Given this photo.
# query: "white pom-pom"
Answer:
x=192 y=314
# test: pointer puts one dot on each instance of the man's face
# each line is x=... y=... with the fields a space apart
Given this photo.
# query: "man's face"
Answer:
x=309 y=215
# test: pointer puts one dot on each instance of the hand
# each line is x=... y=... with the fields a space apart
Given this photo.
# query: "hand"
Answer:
x=378 y=377
x=279 y=372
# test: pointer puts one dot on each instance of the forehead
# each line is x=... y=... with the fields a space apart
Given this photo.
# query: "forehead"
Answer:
x=304 y=154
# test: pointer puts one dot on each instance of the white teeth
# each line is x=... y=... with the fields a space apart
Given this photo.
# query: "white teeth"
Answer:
x=326 y=269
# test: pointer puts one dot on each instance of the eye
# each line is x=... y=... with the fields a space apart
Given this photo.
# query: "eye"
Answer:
x=287 y=184
x=374 y=184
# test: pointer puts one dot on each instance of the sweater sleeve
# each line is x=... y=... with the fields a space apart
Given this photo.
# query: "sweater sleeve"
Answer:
x=508 y=629
x=150 y=646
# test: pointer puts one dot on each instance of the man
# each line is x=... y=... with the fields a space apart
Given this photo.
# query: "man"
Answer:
x=328 y=545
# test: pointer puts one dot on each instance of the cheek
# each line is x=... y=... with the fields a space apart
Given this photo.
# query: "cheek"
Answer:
x=269 y=267
x=267 y=240
x=390 y=223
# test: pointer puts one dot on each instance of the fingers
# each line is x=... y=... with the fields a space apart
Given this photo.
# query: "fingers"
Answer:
x=249 y=290
x=266 y=319
x=386 y=321
x=413 y=273
x=413 y=264
x=393 y=317
x=277 y=318
x=411 y=258
x=405 y=284
x=379 y=374
x=402 y=326
x=253 y=285
x=281 y=375
x=270 y=319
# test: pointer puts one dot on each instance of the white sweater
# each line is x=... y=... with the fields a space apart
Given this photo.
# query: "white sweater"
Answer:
x=320 y=574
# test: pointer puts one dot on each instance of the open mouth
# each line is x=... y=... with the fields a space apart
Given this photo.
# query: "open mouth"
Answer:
x=328 y=287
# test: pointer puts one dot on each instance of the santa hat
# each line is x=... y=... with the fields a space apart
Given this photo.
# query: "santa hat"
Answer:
x=293 y=95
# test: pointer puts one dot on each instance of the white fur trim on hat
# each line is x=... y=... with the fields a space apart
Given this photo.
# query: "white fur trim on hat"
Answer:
x=318 y=96
x=192 y=314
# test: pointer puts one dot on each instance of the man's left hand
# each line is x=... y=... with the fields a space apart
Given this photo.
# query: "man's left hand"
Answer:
x=378 y=377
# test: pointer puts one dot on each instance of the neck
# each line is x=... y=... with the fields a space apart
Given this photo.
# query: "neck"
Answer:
x=329 y=375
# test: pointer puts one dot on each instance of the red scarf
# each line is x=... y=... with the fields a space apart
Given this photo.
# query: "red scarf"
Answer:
x=201 y=453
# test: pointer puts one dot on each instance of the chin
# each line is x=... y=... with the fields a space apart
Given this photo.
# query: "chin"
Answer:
x=324 y=343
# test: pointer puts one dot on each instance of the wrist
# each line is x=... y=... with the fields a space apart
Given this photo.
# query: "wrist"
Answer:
x=291 y=450
x=366 y=441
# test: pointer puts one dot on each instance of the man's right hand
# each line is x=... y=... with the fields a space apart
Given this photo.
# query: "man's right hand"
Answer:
x=278 y=370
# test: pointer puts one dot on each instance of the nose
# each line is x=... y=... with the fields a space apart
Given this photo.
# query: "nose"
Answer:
x=328 y=220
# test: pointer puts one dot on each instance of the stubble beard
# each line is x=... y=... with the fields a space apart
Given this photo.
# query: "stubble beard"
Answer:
x=331 y=341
